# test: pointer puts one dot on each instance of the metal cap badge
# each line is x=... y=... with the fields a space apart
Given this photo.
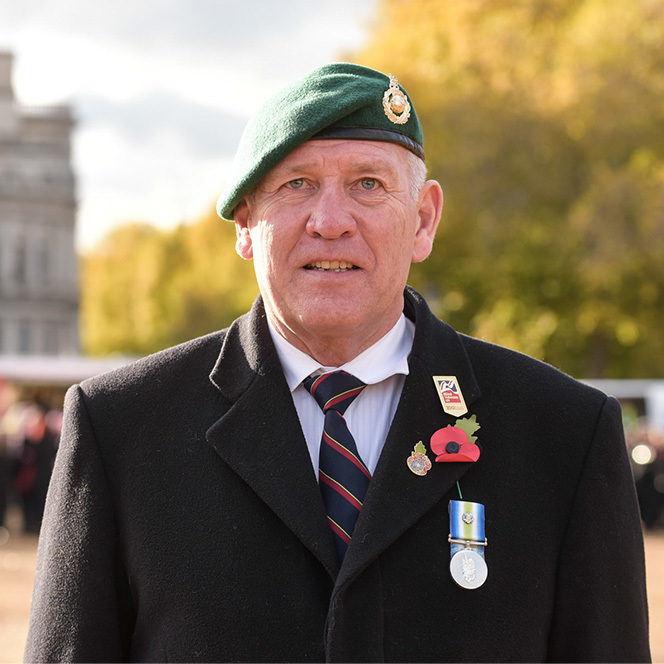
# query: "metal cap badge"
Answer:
x=395 y=103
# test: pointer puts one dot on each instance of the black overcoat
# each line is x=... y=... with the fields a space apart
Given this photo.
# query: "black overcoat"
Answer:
x=184 y=521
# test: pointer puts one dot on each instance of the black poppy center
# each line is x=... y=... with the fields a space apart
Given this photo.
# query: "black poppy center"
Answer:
x=452 y=447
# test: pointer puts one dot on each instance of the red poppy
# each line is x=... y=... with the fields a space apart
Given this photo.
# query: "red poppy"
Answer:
x=452 y=444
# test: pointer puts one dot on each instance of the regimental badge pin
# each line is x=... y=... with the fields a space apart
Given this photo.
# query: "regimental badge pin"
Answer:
x=467 y=541
x=395 y=103
x=418 y=461
x=450 y=395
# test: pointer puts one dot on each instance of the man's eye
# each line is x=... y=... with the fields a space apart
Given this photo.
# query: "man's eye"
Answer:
x=296 y=184
x=368 y=184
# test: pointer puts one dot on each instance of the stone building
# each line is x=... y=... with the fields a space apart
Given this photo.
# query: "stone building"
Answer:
x=39 y=296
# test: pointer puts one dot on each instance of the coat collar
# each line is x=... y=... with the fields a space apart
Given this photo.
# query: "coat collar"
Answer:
x=261 y=439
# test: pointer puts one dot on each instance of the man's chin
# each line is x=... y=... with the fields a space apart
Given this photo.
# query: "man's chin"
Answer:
x=326 y=323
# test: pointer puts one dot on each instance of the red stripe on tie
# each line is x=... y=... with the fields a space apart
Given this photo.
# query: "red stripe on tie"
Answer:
x=347 y=453
x=342 y=397
x=315 y=384
x=341 y=490
x=318 y=381
x=338 y=530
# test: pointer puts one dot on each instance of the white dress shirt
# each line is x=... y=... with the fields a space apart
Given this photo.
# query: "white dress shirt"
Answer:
x=383 y=367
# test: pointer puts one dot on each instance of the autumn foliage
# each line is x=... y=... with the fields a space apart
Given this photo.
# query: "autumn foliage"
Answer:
x=544 y=122
x=144 y=289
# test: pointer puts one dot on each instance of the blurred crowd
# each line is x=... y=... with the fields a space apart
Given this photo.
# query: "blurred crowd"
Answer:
x=29 y=436
x=30 y=433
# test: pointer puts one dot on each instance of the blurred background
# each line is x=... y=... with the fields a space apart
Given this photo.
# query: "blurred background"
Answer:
x=543 y=120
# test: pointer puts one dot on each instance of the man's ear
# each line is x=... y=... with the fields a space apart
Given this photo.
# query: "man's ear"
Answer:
x=243 y=245
x=430 y=207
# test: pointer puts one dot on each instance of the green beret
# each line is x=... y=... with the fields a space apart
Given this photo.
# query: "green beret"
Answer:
x=338 y=100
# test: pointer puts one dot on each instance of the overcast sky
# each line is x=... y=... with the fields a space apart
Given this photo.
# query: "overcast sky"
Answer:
x=161 y=89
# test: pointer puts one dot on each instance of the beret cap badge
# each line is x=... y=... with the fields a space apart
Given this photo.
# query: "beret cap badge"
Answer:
x=395 y=103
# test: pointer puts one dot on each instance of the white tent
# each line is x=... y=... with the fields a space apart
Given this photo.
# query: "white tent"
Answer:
x=55 y=371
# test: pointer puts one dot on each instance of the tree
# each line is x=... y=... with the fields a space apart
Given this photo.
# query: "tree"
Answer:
x=144 y=289
x=544 y=121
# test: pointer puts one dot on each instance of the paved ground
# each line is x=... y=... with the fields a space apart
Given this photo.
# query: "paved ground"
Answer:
x=17 y=564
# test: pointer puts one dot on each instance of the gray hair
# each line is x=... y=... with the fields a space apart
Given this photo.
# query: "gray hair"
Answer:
x=418 y=174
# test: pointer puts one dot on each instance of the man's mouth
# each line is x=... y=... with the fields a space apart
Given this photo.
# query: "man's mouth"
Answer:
x=334 y=266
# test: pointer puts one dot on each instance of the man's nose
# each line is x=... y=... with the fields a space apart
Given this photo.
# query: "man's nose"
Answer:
x=330 y=216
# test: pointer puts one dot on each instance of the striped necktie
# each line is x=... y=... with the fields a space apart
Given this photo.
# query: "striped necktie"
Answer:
x=343 y=477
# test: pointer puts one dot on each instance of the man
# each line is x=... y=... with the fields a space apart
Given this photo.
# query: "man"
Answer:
x=209 y=505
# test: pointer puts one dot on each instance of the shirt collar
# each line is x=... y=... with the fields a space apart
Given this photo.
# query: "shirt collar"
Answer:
x=387 y=357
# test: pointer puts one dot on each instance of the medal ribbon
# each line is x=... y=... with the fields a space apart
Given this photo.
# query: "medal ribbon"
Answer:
x=466 y=523
x=459 y=526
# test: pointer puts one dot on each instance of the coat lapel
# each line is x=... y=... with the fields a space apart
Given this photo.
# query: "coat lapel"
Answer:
x=397 y=498
x=260 y=436
x=261 y=439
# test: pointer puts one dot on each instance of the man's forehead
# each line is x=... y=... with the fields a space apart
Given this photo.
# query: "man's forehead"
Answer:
x=353 y=155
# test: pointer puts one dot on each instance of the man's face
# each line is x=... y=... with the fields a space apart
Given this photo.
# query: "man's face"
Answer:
x=333 y=229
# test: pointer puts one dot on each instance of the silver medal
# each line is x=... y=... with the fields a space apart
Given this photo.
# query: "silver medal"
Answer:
x=468 y=569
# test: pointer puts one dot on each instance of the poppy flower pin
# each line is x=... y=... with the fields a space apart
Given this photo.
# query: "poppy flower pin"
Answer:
x=457 y=443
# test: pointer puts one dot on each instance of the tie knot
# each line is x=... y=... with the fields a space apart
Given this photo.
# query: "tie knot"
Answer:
x=335 y=390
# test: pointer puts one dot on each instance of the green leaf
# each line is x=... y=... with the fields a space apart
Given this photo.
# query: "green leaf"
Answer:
x=420 y=449
x=469 y=425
